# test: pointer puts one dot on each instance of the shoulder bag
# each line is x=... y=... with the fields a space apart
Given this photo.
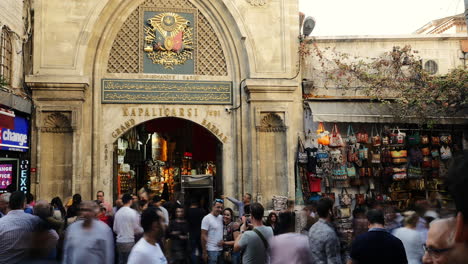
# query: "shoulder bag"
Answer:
x=351 y=137
x=376 y=140
x=345 y=198
x=362 y=136
x=414 y=139
x=336 y=140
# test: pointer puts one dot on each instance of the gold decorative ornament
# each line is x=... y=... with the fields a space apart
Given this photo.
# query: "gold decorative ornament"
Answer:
x=168 y=39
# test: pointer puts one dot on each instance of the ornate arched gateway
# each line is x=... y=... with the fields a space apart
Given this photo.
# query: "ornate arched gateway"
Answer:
x=228 y=67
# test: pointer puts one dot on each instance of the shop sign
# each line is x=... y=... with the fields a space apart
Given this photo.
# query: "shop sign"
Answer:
x=15 y=139
x=144 y=91
x=24 y=175
x=6 y=175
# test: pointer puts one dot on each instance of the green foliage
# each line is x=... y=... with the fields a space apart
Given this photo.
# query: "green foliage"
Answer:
x=396 y=78
x=3 y=82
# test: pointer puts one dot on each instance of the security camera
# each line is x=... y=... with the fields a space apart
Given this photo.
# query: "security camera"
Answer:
x=228 y=110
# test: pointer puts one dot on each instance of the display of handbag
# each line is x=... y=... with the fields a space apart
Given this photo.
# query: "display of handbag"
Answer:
x=414 y=172
x=426 y=151
x=351 y=170
x=362 y=136
x=375 y=138
x=336 y=157
x=399 y=156
x=435 y=140
x=339 y=173
x=377 y=172
x=386 y=156
x=445 y=153
x=435 y=163
x=415 y=155
x=352 y=153
x=375 y=157
x=363 y=152
x=435 y=153
x=399 y=173
x=443 y=169
x=365 y=172
x=446 y=139
x=336 y=140
x=323 y=136
x=342 y=212
x=414 y=139
x=345 y=198
x=322 y=155
x=427 y=162
x=360 y=199
x=424 y=139
x=329 y=194
x=385 y=140
x=302 y=156
x=397 y=137
x=351 y=137
x=315 y=184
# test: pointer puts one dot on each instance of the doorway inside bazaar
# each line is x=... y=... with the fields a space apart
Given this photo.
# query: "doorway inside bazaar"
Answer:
x=171 y=157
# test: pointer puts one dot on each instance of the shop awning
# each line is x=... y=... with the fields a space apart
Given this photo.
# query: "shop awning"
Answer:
x=15 y=102
x=364 y=112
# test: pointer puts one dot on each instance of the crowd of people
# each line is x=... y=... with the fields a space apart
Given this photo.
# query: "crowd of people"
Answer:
x=144 y=228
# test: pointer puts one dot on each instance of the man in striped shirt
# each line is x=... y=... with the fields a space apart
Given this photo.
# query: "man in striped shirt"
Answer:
x=16 y=230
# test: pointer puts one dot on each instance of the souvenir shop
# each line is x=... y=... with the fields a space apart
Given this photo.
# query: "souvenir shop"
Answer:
x=168 y=156
x=374 y=161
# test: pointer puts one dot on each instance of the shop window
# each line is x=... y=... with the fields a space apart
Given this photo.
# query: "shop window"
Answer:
x=5 y=55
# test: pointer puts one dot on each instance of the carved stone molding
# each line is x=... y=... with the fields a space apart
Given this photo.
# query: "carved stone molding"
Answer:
x=56 y=122
x=271 y=123
x=257 y=2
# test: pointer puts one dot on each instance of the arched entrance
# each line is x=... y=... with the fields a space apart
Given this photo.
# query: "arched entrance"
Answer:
x=171 y=157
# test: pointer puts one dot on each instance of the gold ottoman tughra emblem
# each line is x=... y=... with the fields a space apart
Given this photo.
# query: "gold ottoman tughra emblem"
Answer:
x=168 y=39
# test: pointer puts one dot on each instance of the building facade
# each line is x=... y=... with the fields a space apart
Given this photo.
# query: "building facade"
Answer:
x=15 y=99
x=111 y=76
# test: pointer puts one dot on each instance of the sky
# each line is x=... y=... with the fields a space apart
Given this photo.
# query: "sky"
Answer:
x=375 y=17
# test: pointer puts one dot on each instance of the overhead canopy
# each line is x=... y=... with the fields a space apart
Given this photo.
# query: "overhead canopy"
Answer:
x=15 y=102
x=364 y=112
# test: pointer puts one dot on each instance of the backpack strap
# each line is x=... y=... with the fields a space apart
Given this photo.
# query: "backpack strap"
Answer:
x=265 y=243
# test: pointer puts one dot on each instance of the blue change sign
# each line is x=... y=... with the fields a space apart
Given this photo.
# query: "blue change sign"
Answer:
x=15 y=139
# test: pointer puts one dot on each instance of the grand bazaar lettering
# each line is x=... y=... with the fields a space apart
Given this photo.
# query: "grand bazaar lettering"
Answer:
x=167 y=112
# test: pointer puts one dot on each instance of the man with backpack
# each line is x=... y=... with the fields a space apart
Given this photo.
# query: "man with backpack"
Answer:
x=254 y=243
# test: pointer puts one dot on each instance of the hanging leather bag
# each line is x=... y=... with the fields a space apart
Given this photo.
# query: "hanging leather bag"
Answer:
x=435 y=141
x=362 y=136
x=336 y=140
x=352 y=153
x=344 y=198
x=351 y=170
x=351 y=137
x=376 y=140
x=375 y=157
x=363 y=152
x=425 y=139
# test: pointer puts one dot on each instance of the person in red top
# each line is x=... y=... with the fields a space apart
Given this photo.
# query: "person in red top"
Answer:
x=100 y=198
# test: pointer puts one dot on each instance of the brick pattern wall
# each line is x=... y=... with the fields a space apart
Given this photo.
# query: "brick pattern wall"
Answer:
x=11 y=15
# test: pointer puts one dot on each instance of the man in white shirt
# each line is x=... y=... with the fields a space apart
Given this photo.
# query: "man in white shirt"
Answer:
x=88 y=240
x=126 y=226
x=147 y=250
x=212 y=234
x=158 y=204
